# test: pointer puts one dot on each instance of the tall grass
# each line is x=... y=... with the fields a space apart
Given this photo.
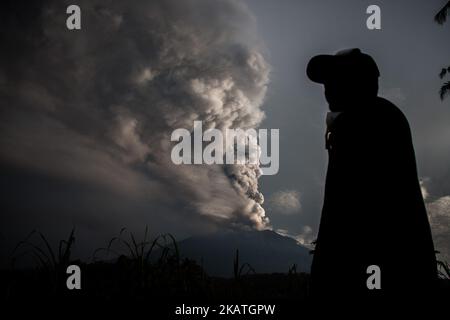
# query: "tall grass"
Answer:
x=148 y=258
x=52 y=263
x=293 y=269
x=43 y=254
x=238 y=269
x=141 y=251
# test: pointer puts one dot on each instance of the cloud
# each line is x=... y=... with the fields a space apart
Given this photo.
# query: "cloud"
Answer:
x=439 y=216
x=285 y=202
x=95 y=108
x=305 y=237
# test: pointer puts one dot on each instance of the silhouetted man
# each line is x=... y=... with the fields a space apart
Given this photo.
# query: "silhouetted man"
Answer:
x=373 y=211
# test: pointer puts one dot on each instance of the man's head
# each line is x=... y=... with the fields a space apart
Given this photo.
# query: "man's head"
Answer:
x=350 y=78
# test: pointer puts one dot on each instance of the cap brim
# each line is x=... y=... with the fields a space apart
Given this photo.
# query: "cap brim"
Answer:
x=320 y=67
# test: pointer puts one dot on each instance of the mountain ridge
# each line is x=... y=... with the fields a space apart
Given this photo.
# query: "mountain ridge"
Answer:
x=266 y=251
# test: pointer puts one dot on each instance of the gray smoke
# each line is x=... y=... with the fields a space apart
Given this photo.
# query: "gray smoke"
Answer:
x=438 y=209
x=98 y=105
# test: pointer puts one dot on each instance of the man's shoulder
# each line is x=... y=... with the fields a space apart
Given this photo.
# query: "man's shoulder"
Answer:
x=377 y=116
x=386 y=110
x=390 y=120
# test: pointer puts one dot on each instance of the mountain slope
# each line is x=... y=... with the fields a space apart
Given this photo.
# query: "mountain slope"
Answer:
x=266 y=251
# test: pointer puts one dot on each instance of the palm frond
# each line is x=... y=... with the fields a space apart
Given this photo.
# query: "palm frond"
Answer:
x=441 y=16
x=445 y=90
x=444 y=72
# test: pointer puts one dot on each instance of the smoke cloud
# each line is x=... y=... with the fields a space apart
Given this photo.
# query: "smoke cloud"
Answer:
x=439 y=215
x=97 y=106
x=438 y=209
x=285 y=202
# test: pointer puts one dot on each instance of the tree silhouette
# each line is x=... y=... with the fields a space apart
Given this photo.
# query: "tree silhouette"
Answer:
x=441 y=18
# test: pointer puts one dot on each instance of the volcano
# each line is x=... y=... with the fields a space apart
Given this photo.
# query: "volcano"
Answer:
x=266 y=251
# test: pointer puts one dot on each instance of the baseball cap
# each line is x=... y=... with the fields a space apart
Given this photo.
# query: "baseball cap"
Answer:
x=345 y=64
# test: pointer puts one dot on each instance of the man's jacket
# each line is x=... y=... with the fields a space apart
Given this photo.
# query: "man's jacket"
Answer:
x=373 y=211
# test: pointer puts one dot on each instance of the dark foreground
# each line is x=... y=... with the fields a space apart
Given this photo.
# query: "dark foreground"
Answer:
x=151 y=276
x=167 y=292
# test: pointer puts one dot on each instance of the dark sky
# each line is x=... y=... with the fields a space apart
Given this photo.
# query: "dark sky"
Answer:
x=86 y=115
x=410 y=51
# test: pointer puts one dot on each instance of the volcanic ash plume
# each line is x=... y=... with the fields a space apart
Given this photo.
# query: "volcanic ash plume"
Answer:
x=134 y=73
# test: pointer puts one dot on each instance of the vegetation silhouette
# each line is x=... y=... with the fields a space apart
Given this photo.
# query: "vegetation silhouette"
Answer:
x=441 y=18
x=134 y=268
x=148 y=274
